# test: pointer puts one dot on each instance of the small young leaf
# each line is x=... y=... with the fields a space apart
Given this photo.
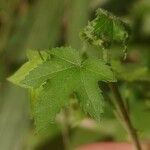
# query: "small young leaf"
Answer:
x=105 y=29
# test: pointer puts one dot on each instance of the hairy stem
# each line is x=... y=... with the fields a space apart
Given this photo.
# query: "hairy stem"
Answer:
x=121 y=109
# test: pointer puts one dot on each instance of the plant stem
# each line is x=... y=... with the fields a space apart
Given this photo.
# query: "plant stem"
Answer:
x=120 y=106
x=40 y=55
x=65 y=130
x=121 y=109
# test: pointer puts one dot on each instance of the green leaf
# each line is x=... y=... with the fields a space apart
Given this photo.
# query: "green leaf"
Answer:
x=34 y=60
x=105 y=29
x=62 y=75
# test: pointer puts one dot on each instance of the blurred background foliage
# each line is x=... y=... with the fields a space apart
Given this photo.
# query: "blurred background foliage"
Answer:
x=43 y=24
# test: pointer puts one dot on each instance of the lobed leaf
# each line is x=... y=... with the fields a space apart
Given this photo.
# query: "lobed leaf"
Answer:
x=60 y=76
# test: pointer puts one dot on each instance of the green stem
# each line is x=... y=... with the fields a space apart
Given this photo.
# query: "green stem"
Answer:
x=40 y=55
x=121 y=109
x=65 y=130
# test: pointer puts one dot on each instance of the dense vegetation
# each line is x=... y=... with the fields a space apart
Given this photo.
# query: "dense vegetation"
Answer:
x=101 y=55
